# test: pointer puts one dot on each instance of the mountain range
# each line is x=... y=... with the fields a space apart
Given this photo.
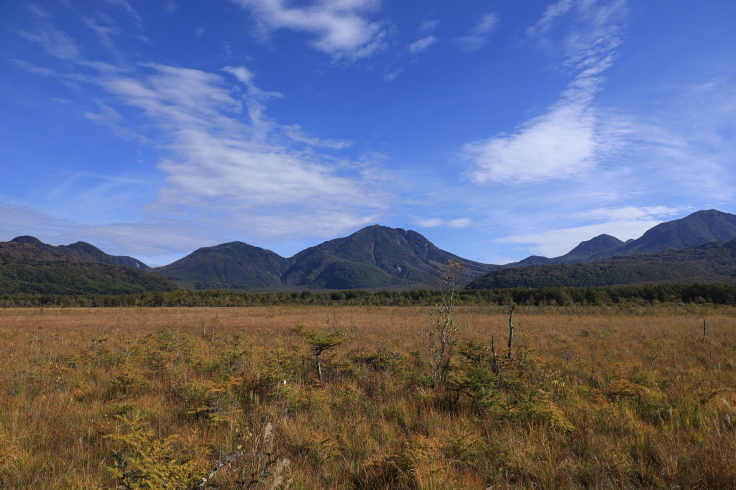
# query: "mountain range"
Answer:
x=381 y=257
x=711 y=262
x=373 y=257
x=693 y=230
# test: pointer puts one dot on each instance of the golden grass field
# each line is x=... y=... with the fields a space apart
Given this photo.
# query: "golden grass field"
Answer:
x=162 y=397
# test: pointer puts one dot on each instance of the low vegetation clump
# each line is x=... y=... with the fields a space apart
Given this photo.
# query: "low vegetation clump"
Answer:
x=350 y=398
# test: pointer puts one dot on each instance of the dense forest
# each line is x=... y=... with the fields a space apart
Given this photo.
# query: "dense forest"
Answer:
x=722 y=294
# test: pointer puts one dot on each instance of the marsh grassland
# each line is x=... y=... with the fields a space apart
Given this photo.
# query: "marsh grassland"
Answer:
x=230 y=398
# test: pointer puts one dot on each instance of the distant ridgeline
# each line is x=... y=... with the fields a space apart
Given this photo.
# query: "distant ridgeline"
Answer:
x=617 y=296
x=695 y=229
x=380 y=257
x=26 y=268
x=699 y=248
x=82 y=251
x=712 y=262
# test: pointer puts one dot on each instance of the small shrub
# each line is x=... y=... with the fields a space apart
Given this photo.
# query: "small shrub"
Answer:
x=150 y=462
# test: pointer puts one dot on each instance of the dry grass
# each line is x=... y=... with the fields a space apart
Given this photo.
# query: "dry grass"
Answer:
x=159 y=398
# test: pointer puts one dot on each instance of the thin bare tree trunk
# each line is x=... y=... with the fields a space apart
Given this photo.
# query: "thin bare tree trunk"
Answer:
x=511 y=330
x=317 y=359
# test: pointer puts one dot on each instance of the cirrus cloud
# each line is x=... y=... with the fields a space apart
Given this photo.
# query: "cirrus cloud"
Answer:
x=479 y=34
x=422 y=44
x=571 y=138
x=342 y=27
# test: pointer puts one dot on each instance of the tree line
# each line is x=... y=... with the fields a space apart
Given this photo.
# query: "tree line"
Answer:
x=720 y=294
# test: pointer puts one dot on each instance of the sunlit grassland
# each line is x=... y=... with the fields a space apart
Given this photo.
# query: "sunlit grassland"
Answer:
x=160 y=397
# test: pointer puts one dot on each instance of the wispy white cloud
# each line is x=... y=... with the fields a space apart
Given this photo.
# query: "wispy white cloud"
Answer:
x=123 y=4
x=18 y=220
x=390 y=75
x=572 y=137
x=177 y=97
x=551 y=14
x=343 y=28
x=296 y=133
x=422 y=44
x=428 y=26
x=242 y=175
x=104 y=32
x=37 y=11
x=241 y=73
x=459 y=223
x=580 y=29
x=479 y=34
x=222 y=167
x=31 y=68
x=59 y=44
x=224 y=176
x=229 y=166
x=256 y=98
x=54 y=41
x=110 y=118
x=558 y=145
x=430 y=222
x=631 y=213
x=452 y=223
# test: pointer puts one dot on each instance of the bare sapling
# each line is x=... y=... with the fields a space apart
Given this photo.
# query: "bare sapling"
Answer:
x=511 y=330
x=445 y=330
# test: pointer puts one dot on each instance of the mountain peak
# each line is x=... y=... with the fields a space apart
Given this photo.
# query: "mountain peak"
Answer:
x=694 y=229
x=591 y=247
x=377 y=229
x=83 y=251
x=31 y=240
x=236 y=265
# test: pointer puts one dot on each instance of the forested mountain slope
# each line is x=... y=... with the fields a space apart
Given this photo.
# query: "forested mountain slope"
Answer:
x=25 y=268
x=712 y=262
x=82 y=251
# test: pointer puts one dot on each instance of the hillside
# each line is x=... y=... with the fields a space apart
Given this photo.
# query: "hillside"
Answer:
x=25 y=268
x=82 y=251
x=590 y=248
x=712 y=262
x=234 y=265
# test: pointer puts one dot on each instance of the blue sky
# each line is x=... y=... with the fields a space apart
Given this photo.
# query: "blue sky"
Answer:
x=497 y=129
